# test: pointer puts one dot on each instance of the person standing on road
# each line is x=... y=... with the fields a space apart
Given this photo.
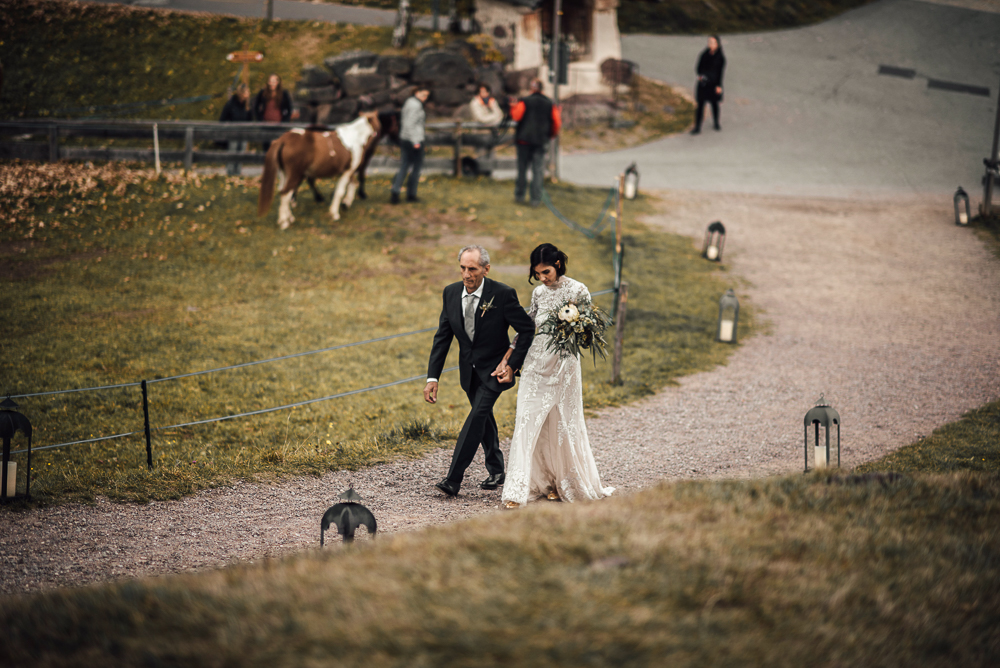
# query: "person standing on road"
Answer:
x=411 y=145
x=237 y=110
x=711 y=66
x=538 y=120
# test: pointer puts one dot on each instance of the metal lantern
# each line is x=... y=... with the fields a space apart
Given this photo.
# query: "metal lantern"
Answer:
x=10 y=423
x=962 y=212
x=729 y=316
x=821 y=415
x=715 y=239
x=631 y=182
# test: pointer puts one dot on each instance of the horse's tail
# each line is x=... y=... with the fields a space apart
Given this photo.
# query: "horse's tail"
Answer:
x=272 y=162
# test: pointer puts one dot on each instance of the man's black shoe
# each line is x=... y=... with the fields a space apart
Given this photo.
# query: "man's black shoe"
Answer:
x=696 y=131
x=494 y=481
x=448 y=487
x=394 y=198
x=412 y=199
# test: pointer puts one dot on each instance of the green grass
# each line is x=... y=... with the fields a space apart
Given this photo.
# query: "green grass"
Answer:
x=174 y=276
x=59 y=55
x=780 y=572
x=970 y=444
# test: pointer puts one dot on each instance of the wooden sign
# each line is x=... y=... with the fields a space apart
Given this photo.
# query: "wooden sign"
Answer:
x=246 y=57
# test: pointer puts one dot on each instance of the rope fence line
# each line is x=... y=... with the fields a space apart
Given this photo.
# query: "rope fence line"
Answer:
x=590 y=232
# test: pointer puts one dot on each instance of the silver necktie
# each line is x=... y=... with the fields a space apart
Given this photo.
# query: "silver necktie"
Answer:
x=470 y=316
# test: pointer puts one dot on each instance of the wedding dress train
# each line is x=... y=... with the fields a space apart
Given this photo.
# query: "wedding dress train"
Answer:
x=550 y=450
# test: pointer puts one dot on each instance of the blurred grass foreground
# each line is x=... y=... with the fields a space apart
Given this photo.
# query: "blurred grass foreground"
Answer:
x=115 y=277
x=813 y=570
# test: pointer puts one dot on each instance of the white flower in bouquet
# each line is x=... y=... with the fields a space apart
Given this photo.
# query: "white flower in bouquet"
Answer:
x=574 y=327
x=569 y=313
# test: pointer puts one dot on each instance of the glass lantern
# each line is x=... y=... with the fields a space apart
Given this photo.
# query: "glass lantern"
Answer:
x=729 y=317
x=962 y=212
x=10 y=423
x=631 y=182
x=821 y=415
x=715 y=239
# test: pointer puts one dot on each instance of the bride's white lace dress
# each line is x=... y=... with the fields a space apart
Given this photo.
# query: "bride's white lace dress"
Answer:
x=550 y=449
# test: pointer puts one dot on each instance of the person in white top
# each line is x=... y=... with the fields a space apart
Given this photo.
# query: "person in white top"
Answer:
x=485 y=109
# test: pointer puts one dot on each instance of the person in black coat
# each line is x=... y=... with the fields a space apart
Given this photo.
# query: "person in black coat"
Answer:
x=478 y=311
x=237 y=110
x=711 y=66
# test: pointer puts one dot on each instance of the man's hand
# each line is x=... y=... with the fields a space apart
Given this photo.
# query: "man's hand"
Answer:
x=416 y=146
x=431 y=393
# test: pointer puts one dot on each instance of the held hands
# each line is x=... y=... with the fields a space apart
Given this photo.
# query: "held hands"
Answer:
x=503 y=373
x=431 y=393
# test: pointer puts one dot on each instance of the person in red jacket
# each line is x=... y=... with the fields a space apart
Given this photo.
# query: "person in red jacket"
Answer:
x=538 y=120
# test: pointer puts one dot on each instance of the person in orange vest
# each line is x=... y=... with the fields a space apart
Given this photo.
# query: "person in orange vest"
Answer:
x=538 y=120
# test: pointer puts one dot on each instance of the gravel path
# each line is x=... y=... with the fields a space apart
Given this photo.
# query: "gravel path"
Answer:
x=886 y=307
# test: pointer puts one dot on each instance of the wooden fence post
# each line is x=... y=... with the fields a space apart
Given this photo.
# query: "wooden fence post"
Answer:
x=53 y=143
x=616 y=362
x=188 y=148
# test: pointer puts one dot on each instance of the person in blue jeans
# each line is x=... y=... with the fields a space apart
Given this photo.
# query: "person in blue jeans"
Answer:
x=538 y=120
x=411 y=145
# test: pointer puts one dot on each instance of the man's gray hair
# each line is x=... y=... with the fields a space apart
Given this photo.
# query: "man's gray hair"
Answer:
x=484 y=255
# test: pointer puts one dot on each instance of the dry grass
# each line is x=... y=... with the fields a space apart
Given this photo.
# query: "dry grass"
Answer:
x=784 y=572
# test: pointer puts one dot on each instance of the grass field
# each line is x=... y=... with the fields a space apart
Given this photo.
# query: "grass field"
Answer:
x=117 y=278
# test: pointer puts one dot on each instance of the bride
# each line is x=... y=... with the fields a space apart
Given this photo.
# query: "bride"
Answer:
x=550 y=453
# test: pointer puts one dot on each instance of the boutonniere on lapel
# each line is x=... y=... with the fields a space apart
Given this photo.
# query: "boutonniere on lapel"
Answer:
x=486 y=306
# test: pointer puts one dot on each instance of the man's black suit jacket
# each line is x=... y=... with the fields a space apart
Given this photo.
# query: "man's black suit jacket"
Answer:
x=482 y=355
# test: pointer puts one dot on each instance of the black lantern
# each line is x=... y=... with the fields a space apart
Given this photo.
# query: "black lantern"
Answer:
x=10 y=423
x=729 y=317
x=821 y=415
x=715 y=239
x=962 y=211
x=631 y=182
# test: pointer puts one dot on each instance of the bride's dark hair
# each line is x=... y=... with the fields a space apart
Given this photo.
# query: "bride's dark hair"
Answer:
x=550 y=255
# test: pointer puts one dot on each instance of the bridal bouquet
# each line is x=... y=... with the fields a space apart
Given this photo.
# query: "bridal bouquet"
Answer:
x=573 y=327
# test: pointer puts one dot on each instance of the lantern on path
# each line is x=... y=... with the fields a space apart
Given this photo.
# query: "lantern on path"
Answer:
x=631 y=182
x=729 y=317
x=10 y=423
x=962 y=212
x=821 y=415
x=715 y=239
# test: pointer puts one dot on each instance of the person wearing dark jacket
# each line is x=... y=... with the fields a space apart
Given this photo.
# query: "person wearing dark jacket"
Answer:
x=237 y=110
x=273 y=104
x=711 y=66
x=538 y=120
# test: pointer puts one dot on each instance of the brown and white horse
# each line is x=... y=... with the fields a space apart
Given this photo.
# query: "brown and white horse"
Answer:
x=316 y=153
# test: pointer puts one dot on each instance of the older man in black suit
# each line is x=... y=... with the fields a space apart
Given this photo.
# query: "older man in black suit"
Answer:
x=478 y=311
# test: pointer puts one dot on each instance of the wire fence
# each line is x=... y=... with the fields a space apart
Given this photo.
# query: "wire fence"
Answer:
x=590 y=232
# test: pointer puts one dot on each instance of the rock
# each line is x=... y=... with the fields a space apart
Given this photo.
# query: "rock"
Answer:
x=314 y=76
x=400 y=95
x=378 y=99
x=451 y=97
x=359 y=59
x=363 y=84
x=341 y=111
x=618 y=72
x=442 y=69
x=324 y=95
x=492 y=78
x=395 y=66
x=516 y=81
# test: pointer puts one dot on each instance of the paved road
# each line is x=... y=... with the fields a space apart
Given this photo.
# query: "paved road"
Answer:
x=806 y=112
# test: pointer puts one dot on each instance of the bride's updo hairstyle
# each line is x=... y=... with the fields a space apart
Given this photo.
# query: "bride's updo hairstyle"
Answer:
x=550 y=255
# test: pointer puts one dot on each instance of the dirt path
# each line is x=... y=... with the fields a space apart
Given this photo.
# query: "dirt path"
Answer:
x=886 y=307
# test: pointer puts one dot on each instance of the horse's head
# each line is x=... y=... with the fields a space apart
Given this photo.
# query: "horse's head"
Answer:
x=390 y=125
